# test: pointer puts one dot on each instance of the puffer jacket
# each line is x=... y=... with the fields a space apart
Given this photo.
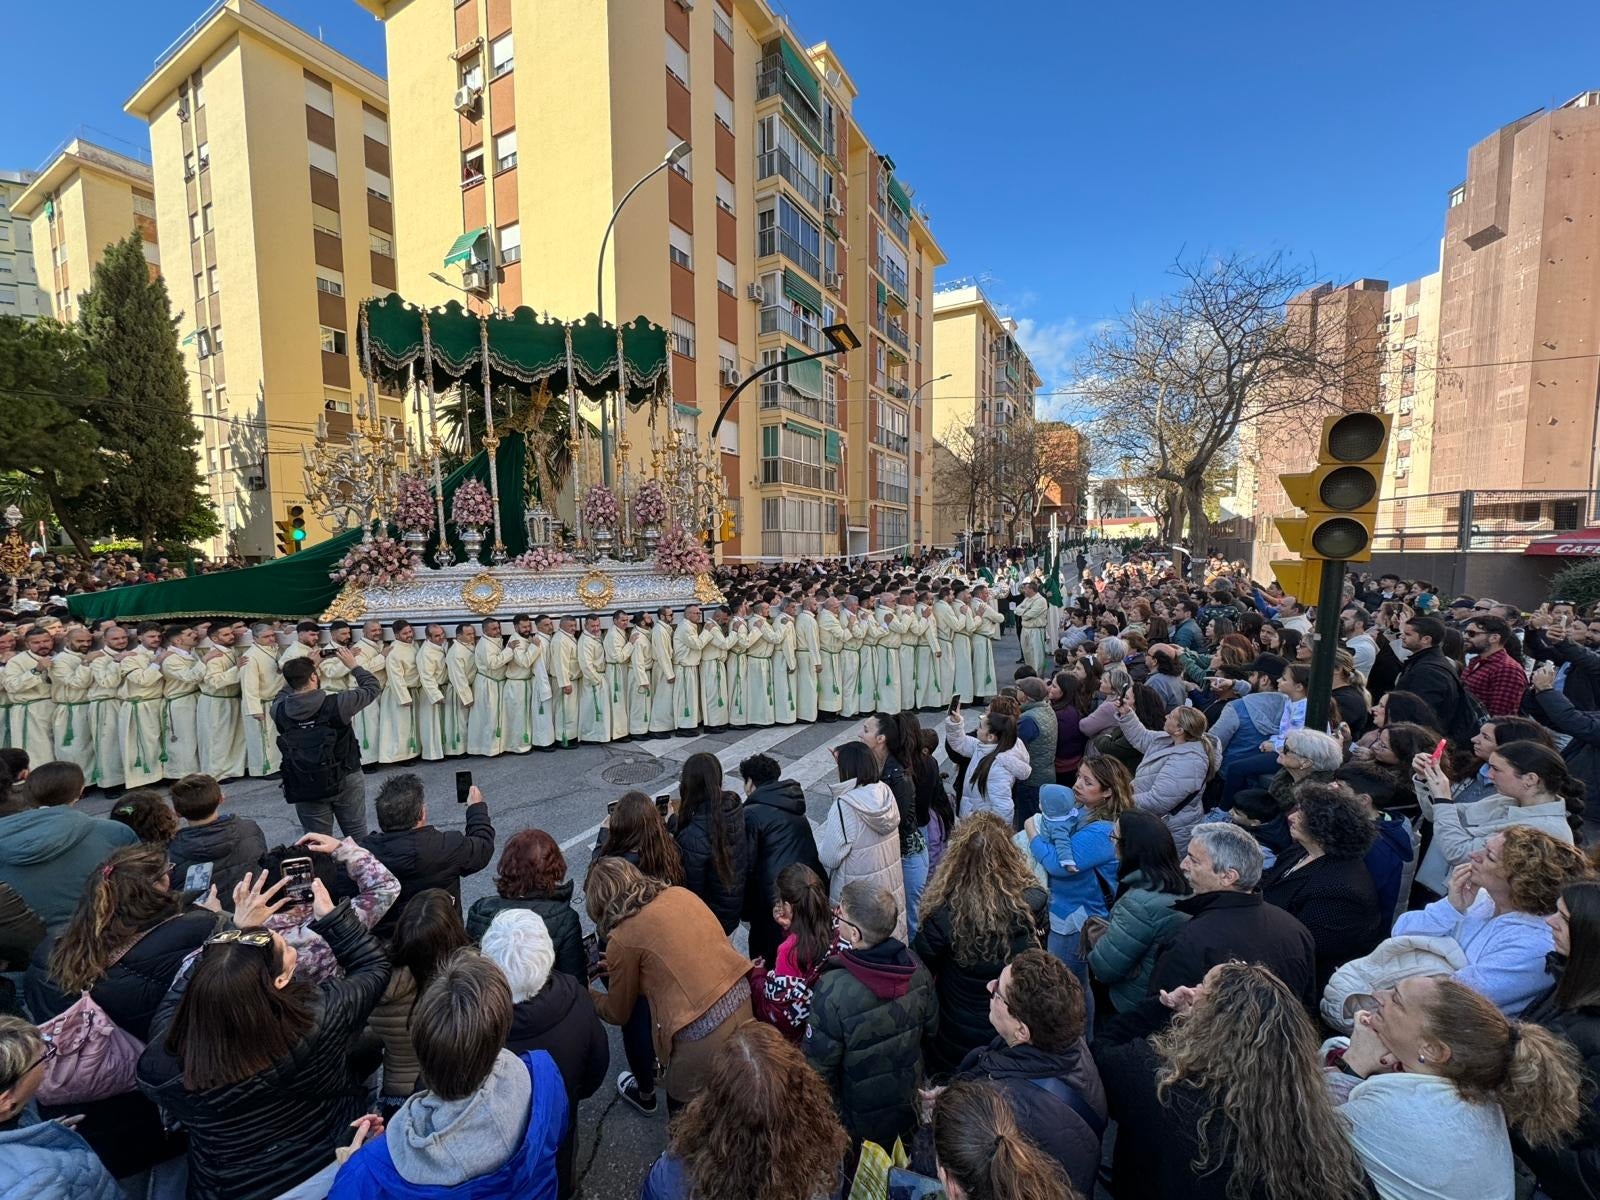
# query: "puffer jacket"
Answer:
x=1570 y=1171
x=391 y=1024
x=1011 y=768
x=860 y=839
x=963 y=986
x=777 y=835
x=1142 y=921
x=254 y=1139
x=723 y=897
x=230 y=846
x=1400 y=957
x=1040 y=742
x=1170 y=777
x=560 y=918
x=870 y=1011
x=48 y=1161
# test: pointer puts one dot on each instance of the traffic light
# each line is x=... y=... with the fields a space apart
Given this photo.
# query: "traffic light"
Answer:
x=1340 y=500
x=727 y=526
x=292 y=532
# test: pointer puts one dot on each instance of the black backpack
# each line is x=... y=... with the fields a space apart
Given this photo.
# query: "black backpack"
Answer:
x=314 y=753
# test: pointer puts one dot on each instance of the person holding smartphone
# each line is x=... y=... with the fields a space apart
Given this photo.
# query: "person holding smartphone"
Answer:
x=320 y=754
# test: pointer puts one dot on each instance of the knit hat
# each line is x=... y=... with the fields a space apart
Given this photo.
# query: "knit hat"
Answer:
x=1056 y=801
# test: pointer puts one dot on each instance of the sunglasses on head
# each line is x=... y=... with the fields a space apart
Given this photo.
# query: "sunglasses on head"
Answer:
x=260 y=938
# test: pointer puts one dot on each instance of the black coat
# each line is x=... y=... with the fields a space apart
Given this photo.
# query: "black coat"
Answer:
x=1051 y=1123
x=1582 y=684
x=1431 y=675
x=561 y=1021
x=426 y=857
x=1570 y=1171
x=255 y=1139
x=20 y=930
x=230 y=845
x=1335 y=899
x=777 y=835
x=963 y=987
x=560 y=918
x=1556 y=709
x=725 y=898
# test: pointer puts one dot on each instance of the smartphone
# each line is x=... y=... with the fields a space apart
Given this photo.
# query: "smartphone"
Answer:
x=463 y=786
x=611 y=808
x=328 y=652
x=1438 y=752
x=955 y=705
x=664 y=803
x=1566 y=619
x=591 y=954
x=298 y=873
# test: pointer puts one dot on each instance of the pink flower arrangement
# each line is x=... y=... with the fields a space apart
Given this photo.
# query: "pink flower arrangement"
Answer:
x=600 y=507
x=679 y=553
x=472 y=505
x=413 y=510
x=541 y=558
x=382 y=562
x=650 y=503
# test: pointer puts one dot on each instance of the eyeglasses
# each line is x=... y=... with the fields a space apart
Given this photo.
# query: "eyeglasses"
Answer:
x=994 y=990
x=260 y=938
x=49 y=1052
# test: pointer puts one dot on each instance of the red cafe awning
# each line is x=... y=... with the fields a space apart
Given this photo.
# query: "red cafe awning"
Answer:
x=1581 y=543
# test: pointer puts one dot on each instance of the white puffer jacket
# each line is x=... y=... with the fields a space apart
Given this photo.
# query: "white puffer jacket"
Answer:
x=860 y=839
x=1404 y=956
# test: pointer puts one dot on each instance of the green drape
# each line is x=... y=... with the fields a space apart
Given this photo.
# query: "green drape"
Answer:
x=298 y=587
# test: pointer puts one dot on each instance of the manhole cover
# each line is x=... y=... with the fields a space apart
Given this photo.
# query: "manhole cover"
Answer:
x=632 y=772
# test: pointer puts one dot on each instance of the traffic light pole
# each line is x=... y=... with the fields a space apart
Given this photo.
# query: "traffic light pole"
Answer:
x=1329 y=603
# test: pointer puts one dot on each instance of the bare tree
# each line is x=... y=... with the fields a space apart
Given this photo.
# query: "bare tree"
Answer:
x=1025 y=457
x=1172 y=380
x=963 y=473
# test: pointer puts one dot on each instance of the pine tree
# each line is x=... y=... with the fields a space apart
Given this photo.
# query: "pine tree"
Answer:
x=153 y=489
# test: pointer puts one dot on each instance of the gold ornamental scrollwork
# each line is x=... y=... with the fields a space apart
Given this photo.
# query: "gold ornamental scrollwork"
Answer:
x=482 y=593
x=595 y=589
x=348 y=605
x=14 y=558
x=706 y=591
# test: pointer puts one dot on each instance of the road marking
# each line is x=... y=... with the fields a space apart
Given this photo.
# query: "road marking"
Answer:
x=586 y=838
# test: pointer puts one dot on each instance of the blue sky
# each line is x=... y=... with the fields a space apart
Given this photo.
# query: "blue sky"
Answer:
x=1067 y=151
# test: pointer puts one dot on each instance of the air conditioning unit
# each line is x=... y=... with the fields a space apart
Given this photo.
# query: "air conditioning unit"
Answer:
x=834 y=280
x=835 y=206
x=466 y=99
x=183 y=112
x=755 y=292
x=686 y=5
x=476 y=277
x=255 y=483
x=729 y=376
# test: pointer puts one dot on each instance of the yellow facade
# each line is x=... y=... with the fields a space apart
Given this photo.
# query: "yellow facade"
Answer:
x=275 y=208
x=587 y=96
x=1409 y=387
x=85 y=199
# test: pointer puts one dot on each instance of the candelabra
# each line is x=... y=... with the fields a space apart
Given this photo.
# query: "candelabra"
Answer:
x=691 y=475
x=353 y=482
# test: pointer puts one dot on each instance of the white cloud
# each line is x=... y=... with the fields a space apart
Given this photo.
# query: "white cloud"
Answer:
x=1053 y=346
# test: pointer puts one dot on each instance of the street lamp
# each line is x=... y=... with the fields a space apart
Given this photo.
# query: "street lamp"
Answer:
x=673 y=156
x=842 y=340
x=917 y=391
x=467 y=292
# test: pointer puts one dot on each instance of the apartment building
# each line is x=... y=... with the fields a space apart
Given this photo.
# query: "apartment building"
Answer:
x=20 y=294
x=746 y=249
x=983 y=379
x=87 y=198
x=275 y=211
x=1409 y=392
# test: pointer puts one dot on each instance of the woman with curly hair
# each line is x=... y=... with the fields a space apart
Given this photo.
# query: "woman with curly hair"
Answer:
x=1227 y=1103
x=1430 y=1082
x=1496 y=909
x=1323 y=879
x=762 y=1128
x=982 y=908
x=533 y=875
x=146 y=812
x=984 y=1155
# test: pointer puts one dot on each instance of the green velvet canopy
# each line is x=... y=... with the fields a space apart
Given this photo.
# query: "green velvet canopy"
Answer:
x=298 y=587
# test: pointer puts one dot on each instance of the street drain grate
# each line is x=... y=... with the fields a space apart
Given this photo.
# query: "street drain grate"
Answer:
x=632 y=772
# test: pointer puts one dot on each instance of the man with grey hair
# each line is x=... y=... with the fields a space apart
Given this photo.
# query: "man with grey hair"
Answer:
x=1228 y=922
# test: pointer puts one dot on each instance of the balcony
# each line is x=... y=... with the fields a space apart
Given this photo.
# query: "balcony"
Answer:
x=898 y=335
x=778 y=395
x=898 y=442
x=775 y=319
x=897 y=388
x=893 y=494
x=771 y=81
x=896 y=220
x=895 y=278
x=776 y=162
x=776 y=241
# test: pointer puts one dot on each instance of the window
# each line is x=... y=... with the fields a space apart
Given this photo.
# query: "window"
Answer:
x=330 y=281
x=202 y=343
x=144 y=206
x=216 y=339
x=374 y=126
x=380 y=244
x=199 y=285
x=505 y=150
x=5 y=267
x=685 y=165
x=199 y=91
x=723 y=108
x=205 y=219
x=8 y=294
x=188 y=165
x=338 y=404
x=683 y=337
x=721 y=26
x=1458 y=195
x=727 y=355
x=194 y=226
x=334 y=341
x=378 y=185
x=677 y=61
x=323 y=159
x=511 y=243
x=319 y=96
x=724 y=194
x=211 y=279
x=204 y=152
x=325 y=219
x=502 y=57
x=472 y=165
x=681 y=247
x=472 y=73
x=727 y=276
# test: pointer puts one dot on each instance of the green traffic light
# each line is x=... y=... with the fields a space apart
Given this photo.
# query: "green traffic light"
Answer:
x=299 y=535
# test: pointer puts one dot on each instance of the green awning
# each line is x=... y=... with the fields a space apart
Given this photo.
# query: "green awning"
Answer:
x=805 y=376
x=883 y=293
x=799 y=73
x=797 y=288
x=802 y=430
x=830 y=446
x=828 y=225
x=897 y=193
x=461 y=248
x=685 y=410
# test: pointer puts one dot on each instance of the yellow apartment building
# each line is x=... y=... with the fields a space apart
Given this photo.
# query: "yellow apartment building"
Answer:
x=275 y=210
x=20 y=293
x=746 y=249
x=988 y=381
x=86 y=198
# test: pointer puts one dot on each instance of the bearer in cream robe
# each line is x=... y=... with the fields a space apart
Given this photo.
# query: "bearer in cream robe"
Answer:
x=890 y=693
x=398 y=739
x=435 y=711
x=1033 y=613
x=785 y=664
x=715 y=640
x=910 y=628
x=369 y=655
x=260 y=681
x=948 y=624
x=983 y=677
x=761 y=641
x=594 y=685
x=142 y=690
x=850 y=660
x=33 y=712
x=686 y=656
x=219 y=720
x=807 y=660
x=517 y=717
x=641 y=658
x=739 y=637
x=967 y=625
x=831 y=636
x=8 y=649
x=105 y=707
x=463 y=672
x=540 y=650
x=564 y=680
x=181 y=673
x=868 y=634
x=486 y=725
x=619 y=666
x=663 y=675
x=71 y=679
